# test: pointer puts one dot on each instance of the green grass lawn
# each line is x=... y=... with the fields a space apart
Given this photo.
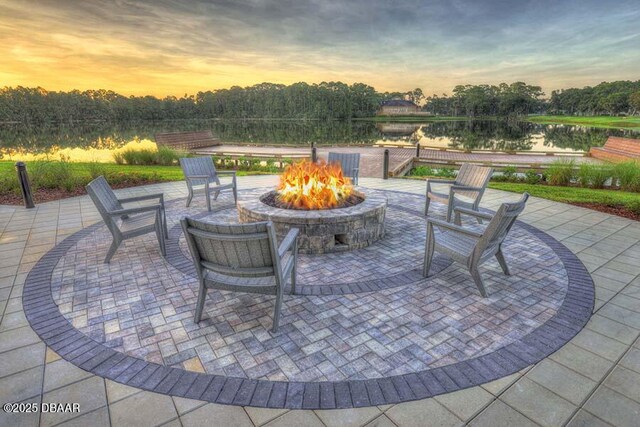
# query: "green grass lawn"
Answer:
x=58 y=180
x=574 y=194
x=160 y=173
x=593 y=121
x=631 y=122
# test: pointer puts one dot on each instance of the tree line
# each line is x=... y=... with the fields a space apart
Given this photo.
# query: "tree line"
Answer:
x=515 y=99
x=323 y=101
x=607 y=98
x=332 y=100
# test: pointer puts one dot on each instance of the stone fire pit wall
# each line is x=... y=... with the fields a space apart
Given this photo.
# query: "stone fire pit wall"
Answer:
x=326 y=230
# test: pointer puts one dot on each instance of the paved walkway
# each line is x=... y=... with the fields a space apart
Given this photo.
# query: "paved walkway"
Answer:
x=371 y=158
x=498 y=158
x=592 y=380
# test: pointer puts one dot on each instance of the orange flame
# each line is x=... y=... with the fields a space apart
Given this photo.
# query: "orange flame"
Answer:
x=308 y=185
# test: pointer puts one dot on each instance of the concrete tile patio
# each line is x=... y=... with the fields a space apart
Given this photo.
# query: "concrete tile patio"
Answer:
x=590 y=381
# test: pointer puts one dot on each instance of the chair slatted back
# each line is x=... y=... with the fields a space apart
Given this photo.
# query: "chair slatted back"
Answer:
x=104 y=199
x=348 y=162
x=239 y=250
x=473 y=176
x=501 y=223
x=199 y=166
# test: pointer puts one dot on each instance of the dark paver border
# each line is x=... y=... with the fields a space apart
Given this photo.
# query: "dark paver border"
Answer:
x=72 y=345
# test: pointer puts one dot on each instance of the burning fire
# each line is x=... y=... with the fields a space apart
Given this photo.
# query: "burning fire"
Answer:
x=308 y=185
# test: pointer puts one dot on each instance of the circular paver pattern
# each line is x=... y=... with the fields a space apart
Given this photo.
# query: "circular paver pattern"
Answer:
x=394 y=261
x=367 y=329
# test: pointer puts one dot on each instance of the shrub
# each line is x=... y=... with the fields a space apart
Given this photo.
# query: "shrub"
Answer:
x=166 y=156
x=96 y=169
x=139 y=157
x=594 y=176
x=561 y=172
x=509 y=173
x=532 y=177
x=9 y=183
x=272 y=165
x=628 y=175
x=446 y=172
x=163 y=156
x=52 y=174
x=422 y=171
x=634 y=206
x=118 y=157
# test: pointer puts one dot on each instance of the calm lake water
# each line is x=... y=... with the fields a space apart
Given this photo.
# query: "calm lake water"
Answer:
x=475 y=134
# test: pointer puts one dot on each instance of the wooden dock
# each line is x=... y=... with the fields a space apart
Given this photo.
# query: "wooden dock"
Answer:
x=187 y=140
x=401 y=159
x=618 y=149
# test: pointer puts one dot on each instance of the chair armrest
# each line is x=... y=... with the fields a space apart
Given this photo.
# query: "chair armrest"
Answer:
x=226 y=173
x=159 y=196
x=471 y=212
x=289 y=241
x=190 y=177
x=438 y=181
x=453 y=227
x=142 y=209
x=465 y=188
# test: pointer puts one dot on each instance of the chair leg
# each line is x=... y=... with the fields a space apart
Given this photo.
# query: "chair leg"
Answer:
x=276 y=312
x=503 y=262
x=428 y=253
x=426 y=206
x=112 y=250
x=477 y=209
x=189 y=197
x=207 y=194
x=450 y=209
x=293 y=280
x=164 y=223
x=160 y=236
x=235 y=195
x=202 y=295
x=475 y=273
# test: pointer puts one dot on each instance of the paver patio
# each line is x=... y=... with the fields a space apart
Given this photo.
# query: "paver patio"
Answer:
x=588 y=380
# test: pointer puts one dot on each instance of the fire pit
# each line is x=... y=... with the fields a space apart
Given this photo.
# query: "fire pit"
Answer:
x=331 y=215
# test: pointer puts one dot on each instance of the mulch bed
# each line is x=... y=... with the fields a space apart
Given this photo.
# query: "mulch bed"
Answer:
x=42 y=195
x=613 y=210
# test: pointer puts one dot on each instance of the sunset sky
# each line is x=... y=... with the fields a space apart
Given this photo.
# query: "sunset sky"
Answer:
x=170 y=48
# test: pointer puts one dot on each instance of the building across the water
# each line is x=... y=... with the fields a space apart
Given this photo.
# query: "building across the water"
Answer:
x=400 y=107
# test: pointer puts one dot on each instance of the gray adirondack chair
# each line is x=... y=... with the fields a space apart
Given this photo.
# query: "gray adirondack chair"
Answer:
x=241 y=258
x=470 y=247
x=465 y=191
x=201 y=171
x=350 y=163
x=128 y=223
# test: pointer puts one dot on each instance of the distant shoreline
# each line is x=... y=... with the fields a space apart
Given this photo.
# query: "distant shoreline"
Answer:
x=603 y=122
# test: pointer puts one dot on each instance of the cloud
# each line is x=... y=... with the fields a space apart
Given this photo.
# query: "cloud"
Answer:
x=166 y=47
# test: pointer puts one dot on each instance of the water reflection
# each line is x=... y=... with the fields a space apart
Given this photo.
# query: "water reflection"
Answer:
x=15 y=140
x=503 y=136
